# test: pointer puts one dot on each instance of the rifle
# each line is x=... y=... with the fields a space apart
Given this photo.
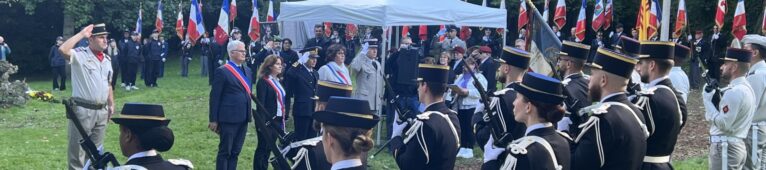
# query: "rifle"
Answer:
x=279 y=162
x=404 y=114
x=712 y=82
x=99 y=160
x=569 y=101
x=501 y=138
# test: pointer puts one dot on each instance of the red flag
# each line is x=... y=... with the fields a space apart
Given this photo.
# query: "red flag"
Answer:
x=158 y=21
x=465 y=33
x=255 y=25
x=405 y=31
x=720 y=13
x=233 y=10
x=351 y=29
x=180 y=23
x=652 y=23
x=680 y=19
x=560 y=16
x=423 y=32
x=327 y=29
x=738 y=26
x=580 y=27
x=442 y=32
x=598 y=16
x=608 y=11
x=523 y=18
x=763 y=21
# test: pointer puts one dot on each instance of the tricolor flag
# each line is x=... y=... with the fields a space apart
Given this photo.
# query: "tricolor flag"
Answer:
x=442 y=32
x=580 y=27
x=233 y=10
x=720 y=13
x=158 y=21
x=653 y=19
x=608 y=12
x=545 y=11
x=180 y=23
x=598 y=16
x=351 y=29
x=738 y=26
x=270 y=17
x=560 y=16
x=543 y=45
x=523 y=18
x=465 y=33
x=405 y=31
x=680 y=19
x=327 y=29
x=763 y=22
x=196 y=28
x=255 y=25
x=222 y=30
x=139 y=20
x=423 y=32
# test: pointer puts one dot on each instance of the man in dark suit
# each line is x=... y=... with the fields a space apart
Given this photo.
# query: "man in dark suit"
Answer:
x=154 y=60
x=488 y=68
x=614 y=37
x=230 y=108
x=301 y=86
x=700 y=51
x=456 y=65
x=321 y=41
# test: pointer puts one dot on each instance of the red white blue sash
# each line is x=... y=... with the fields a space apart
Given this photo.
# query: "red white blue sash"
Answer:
x=240 y=75
x=338 y=74
x=280 y=96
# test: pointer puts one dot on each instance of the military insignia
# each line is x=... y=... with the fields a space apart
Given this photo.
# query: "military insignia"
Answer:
x=725 y=109
x=295 y=64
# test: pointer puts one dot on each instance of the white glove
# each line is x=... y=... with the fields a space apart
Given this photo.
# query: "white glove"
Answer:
x=365 y=48
x=563 y=124
x=220 y=61
x=189 y=58
x=689 y=37
x=163 y=54
x=707 y=101
x=397 y=128
x=490 y=151
x=163 y=60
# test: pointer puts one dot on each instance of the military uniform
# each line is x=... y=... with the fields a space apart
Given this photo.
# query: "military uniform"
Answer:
x=343 y=113
x=614 y=137
x=756 y=76
x=661 y=109
x=301 y=86
x=576 y=86
x=677 y=76
x=134 y=58
x=431 y=141
x=731 y=118
x=153 y=62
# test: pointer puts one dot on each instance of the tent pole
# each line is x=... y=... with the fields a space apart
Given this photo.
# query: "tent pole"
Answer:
x=383 y=57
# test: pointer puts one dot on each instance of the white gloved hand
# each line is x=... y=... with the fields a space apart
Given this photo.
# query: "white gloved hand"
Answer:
x=365 y=48
x=491 y=152
x=163 y=60
x=220 y=61
x=563 y=124
x=189 y=58
x=397 y=128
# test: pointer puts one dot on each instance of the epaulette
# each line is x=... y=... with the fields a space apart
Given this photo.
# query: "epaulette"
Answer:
x=519 y=147
x=307 y=142
x=295 y=64
x=566 y=81
x=181 y=162
x=415 y=131
x=502 y=92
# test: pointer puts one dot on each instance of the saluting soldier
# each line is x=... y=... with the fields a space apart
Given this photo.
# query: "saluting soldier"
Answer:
x=144 y=133
x=347 y=129
x=538 y=105
x=368 y=74
x=301 y=86
x=660 y=104
x=756 y=76
x=309 y=153
x=614 y=137
x=570 y=63
x=500 y=121
x=431 y=140
x=731 y=118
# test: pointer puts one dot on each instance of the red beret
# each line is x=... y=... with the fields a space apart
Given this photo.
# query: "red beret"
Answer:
x=458 y=49
x=485 y=49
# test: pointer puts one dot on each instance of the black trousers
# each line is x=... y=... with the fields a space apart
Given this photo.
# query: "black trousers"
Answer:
x=304 y=128
x=115 y=72
x=261 y=156
x=466 y=134
x=123 y=69
x=130 y=77
x=59 y=74
x=232 y=137
x=152 y=72
x=212 y=64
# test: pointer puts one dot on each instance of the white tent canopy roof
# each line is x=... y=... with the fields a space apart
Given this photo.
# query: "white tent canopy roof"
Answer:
x=394 y=12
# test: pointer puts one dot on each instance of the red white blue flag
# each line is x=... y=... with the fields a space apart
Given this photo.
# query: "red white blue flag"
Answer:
x=222 y=30
x=196 y=26
x=255 y=25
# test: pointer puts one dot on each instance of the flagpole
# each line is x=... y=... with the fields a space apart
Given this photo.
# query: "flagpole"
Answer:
x=666 y=20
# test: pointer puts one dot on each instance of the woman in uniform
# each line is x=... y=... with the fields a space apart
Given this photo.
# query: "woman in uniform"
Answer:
x=346 y=132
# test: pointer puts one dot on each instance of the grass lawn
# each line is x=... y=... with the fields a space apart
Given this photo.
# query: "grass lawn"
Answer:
x=35 y=136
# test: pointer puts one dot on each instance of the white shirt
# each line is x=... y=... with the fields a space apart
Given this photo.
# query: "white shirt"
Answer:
x=281 y=92
x=90 y=77
x=734 y=114
x=680 y=81
x=757 y=79
x=348 y=163
x=143 y=154
x=537 y=126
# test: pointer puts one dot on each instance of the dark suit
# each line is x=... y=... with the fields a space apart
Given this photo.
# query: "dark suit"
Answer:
x=577 y=87
x=488 y=68
x=537 y=157
x=664 y=123
x=621 y=137
x=324 y=43
x=152 y=64
x=267 y=96
x=230 y=107
x=439 y=142
x=455 y=69
x=133 y=57
x=301 y=87
x=155 y=162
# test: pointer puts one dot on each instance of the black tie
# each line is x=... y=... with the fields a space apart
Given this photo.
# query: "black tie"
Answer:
x=375 y=65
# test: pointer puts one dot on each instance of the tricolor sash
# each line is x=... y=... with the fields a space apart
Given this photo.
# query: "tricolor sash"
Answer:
x=240 y=75
x=338 y=74
x=280 y=96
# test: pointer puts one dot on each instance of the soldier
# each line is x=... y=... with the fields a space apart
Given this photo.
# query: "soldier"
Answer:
x=432 y=140
x=575 y=83
x=154 y=60
x=660 y=105
x=143 y=133
x=731 y=118
x=677 y=76
x=632 y=48
x=134 y=58
x=368 y=74
x=301 y=84
x=347 y=129
x=538 y=105
x=756 y=76
x=91 y=91
x=614 y=137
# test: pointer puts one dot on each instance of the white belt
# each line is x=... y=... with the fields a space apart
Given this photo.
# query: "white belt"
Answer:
x=724 y=139
x=761 y=123
x=657 y=159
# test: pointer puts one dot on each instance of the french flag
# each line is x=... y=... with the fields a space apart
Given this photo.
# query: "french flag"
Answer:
x=255 y=25
x=608 y=13
x=196 y=28
x=654 y=19
x=180 y=23
x=139 y=20
x=158 y=22
x=580 y=28
x=222 y=30
x=233 y=12
x=442 y=32
x=598 y=16
x=720 y=13
x=680 y=19
x=270 y=17
x=740 y=22
x=560 y=16
x=523 y=18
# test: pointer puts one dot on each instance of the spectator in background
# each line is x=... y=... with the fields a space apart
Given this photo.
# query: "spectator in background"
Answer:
x=523 y=33
x=113 y=51
x=335 y=70
x=557 y=32
x=572 y=35
x=164 y=56
x=351 y=41
x=452 y=40
x=321 y=41
x=488 y=68
x=252 y=53
x=615 y=36
x=122 y=46
x=520 y=44
x=186 y=58
x=269 y=49
x=465 y=99
x=633 y=33
x=4 y=49
x=456 y=66
x=289 y=55
x=205 y=64
x=491 y=40
x=58 y=65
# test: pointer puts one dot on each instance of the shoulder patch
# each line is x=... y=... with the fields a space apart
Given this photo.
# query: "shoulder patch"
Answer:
x=181 y=162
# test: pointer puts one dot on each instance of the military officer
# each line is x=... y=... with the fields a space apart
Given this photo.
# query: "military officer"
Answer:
x=301 y=86
x=154 y=60
x=368 y=74
x=500 y=120
x=659 y=103
x=756 y=76
x=144 y=133
x=575 y=83
x=632 y=48
x=430 y=140
x=731 y=118
x=614 y=137
x=134 y=57
x=347 y=129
